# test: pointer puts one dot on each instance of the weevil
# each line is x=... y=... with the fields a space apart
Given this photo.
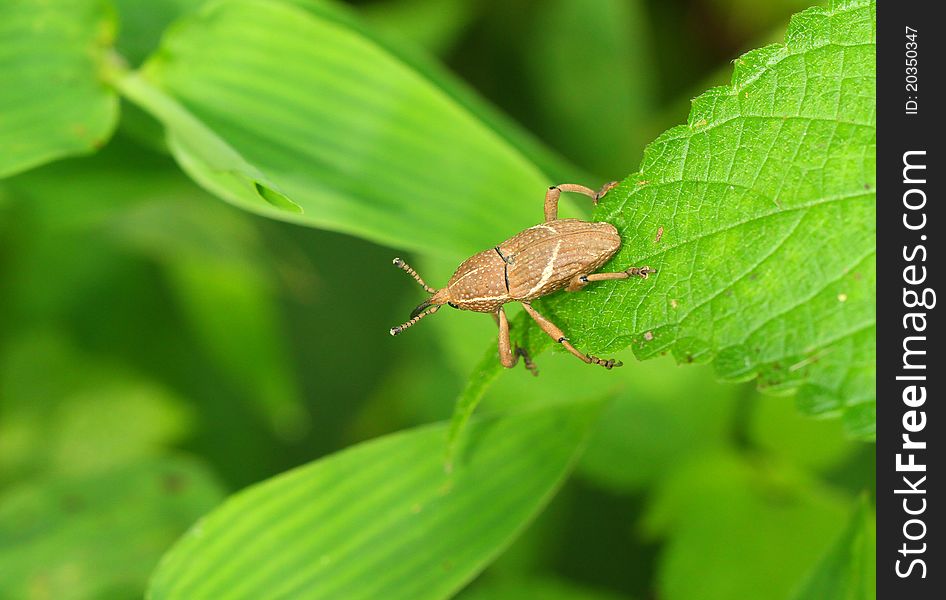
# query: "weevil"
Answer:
x=545 y=258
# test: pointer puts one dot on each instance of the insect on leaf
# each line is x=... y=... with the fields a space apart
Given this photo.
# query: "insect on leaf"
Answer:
x=759 y=216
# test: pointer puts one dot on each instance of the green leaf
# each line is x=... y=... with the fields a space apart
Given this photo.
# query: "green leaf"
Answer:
x=52 y=102
x=758 y=215
x=213 y=257
x=435 y=25
x=849 y=570
x=86 y=415
x=589 y=69
x=484 y=374
x=142 y=23
x=328 y=127
x=99 y=535
x=718 y=511
x=382 y=519
x=139 y=208
x=776 y=427
x=664 y=417
x=535 y=588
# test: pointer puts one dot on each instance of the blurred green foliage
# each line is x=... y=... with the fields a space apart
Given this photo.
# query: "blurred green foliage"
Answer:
x=159 y=348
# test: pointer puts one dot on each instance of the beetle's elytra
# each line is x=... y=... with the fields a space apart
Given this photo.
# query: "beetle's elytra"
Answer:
x=556 y=254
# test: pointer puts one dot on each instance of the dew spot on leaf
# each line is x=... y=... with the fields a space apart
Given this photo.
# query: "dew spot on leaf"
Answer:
x=276 y=199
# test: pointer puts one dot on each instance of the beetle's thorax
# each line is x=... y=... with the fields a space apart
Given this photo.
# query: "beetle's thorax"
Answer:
x=535 y=262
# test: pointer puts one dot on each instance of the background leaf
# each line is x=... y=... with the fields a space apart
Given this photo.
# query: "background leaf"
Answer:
x=211 y=259
x=657 y=423
x=58 y=536
x=382 y=519
x=589 y=66
x=849 y=570
x=340 y=134
x=535 y=589
x=777 y=427
x=52 y=101
x=432 y=24
x=66 y=413
x=702 y=509
x=141 y=25
x=138 y=205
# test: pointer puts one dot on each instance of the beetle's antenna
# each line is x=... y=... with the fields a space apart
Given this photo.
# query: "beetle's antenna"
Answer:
x=400 y=264
x=418 y=317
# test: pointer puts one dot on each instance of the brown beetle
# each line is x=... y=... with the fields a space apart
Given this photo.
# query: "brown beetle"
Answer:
x=559 y=253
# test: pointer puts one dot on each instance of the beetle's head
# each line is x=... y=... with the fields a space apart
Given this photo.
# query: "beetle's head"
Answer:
x=429 y=306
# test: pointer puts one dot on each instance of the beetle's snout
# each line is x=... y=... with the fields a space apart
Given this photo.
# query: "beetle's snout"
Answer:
x=438 y=298
x=421 y=307
x=427 y=307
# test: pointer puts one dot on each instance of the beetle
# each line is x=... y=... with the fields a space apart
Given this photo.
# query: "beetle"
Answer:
x=540 y=260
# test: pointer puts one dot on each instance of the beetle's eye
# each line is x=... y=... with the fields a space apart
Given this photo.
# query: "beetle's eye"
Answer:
x=451 y=305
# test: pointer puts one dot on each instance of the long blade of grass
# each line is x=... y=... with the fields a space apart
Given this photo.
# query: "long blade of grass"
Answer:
x=383 y=519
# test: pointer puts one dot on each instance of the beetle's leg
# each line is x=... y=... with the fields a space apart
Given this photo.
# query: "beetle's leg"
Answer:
x=605 y=189
x=527 y=360
x=507 y=356
x=554 y=192
x=400 y=264
x=580 y=281
x=642 y=272
x=559 y=336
